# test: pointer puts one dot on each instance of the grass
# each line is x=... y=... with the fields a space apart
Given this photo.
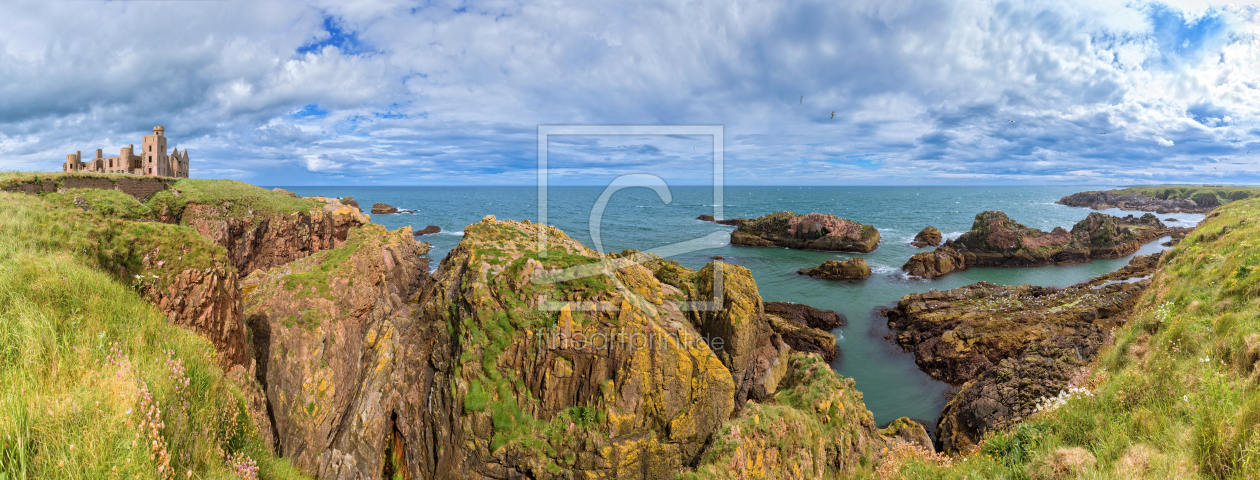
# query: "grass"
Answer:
x=1222 y=195
x=97 y=383
x=235 y=199
x=1176 y=396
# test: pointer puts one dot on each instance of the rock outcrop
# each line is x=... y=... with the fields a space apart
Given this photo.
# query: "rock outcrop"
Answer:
x=851 y=269
x=328 y=333
x=928 y=237
x=813 y=231
x=382 y=208
x=826 y=320
x=1008 y=346
x=351 y=202
x=997 y=241
x=1128 y=200
x=909 y=431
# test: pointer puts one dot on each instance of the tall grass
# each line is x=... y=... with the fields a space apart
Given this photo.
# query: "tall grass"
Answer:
x=97 y=383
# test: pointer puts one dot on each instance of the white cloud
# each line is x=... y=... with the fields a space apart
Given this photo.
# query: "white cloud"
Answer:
x=394 y=91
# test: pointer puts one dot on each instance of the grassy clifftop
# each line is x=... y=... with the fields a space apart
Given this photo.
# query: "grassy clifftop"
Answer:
x=97 y=382
x=1175 y=397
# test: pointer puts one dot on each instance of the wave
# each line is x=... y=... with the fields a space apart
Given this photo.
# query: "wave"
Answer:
x=457 y=232
x=954 y=235
x=883 y=269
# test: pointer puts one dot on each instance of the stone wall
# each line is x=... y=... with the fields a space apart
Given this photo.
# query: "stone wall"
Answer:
x=141 y=188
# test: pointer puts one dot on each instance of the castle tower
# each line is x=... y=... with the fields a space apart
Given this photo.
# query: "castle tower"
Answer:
x=153 y=153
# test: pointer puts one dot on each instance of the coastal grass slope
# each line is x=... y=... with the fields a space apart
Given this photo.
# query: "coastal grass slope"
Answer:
x=1175 y=397
x=97 y=383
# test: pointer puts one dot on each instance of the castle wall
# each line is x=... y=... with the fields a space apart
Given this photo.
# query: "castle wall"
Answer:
x=140 y=188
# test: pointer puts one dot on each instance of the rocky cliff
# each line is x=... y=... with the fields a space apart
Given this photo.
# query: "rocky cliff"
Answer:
x=995 y=240
x=1136 y=200
x=327 y=333
x=813 y=231
x=260 y=238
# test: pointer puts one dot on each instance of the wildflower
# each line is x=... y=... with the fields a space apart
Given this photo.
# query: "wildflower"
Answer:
x=1186 y=398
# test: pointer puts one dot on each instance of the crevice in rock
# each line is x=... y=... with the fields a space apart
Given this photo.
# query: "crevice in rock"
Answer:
x=262 y=352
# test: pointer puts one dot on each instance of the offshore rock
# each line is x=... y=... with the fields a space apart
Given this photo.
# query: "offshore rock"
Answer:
x=383 y=208
x=429 y=230
x=331 y=354
x=851 y=269
x=928 y=237
x=997 y=241
x=814 y=231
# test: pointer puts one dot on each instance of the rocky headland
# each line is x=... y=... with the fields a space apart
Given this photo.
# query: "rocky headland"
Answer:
x=1009 y=346
x=995 y=240
x=851 y=269
x=813 y=231
x=735 y=222
x=1105 y=199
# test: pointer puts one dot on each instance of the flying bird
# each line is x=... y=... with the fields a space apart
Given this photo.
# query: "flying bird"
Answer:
x=1012 y=121
x=802 y=100
x=833 y=114
x=1104 y=133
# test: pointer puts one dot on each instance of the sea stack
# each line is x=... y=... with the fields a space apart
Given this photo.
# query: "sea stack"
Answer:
x=928 y=237
x=813 y=231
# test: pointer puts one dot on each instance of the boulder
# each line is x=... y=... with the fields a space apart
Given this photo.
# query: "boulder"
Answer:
x=429 y=230
x=814 y=231
x=928 y=237
x=851 y=269
x=909 y=431
x=381 y=208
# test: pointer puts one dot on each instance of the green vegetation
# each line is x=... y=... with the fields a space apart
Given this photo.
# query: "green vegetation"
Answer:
x=235 y=199
x=1175 y=397
x=1200 y=195
x=97 y=383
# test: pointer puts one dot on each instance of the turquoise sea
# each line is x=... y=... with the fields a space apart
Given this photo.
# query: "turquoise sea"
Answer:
x=636 y=218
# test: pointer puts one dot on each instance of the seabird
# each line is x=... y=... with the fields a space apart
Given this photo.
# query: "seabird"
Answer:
x=802 y=100
x=833 y=114
x=1104 y=133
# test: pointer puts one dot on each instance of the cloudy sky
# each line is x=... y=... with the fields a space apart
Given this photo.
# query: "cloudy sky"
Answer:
x=396 y=92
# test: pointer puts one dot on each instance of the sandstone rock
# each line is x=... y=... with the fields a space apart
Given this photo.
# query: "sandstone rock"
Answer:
x=803 y=338
x=331 y=356
x=383 y=208
x=429 y=230
x=510 y=391
x=806 y=315
x=928 y=237
x=814 y=231
x=754 y=354
x=816 y=426
x=997 y=241
x=351 y=202
x=851 y=269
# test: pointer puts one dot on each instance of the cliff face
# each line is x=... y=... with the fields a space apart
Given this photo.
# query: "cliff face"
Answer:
x=327 y=335
x=997 y=241
x=814 y=231
x=266 y=240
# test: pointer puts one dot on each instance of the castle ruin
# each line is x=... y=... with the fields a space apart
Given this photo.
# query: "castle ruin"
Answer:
x=153 y=160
